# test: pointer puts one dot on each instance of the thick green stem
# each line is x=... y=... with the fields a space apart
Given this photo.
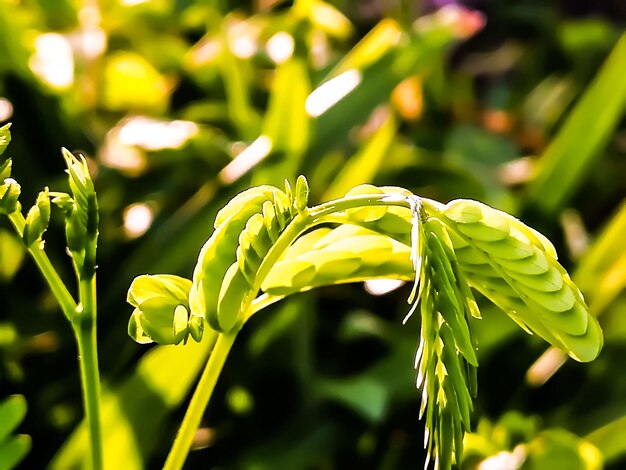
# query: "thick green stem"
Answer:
x=85 y=331
x=366 y=200
x=199 y=401
x=63 y=296
x=202 y=394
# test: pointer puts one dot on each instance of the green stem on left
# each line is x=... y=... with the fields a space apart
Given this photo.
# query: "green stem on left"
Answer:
x=83 y=320
x=60 y=292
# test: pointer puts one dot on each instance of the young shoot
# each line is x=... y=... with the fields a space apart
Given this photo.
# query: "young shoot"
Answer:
x=268 y=243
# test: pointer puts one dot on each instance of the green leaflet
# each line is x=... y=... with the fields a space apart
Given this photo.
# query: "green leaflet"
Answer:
x=246 y=229
x=5 y=138
x=219 y=252
x=270 y=221
x=10 y=191
x=309 y=241
x=345 y=254
x=366 y=214
x=236 y=206
x=255 y=239
x=301 y=196
x=233 y=290
x=161 y=310
x=468 y=212
x=263 y=229
x=5 y=169
x=13 y=448
x=37 y=219
x=338 y=234
x=453 y=305
x=516 y=268
x=81 y=215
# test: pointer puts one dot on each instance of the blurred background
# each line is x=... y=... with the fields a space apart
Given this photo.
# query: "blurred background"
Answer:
x=180 y=104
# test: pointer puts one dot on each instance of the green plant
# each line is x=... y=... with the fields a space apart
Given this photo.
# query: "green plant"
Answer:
x=80 y=211
x=12 y=448
x=268 y=244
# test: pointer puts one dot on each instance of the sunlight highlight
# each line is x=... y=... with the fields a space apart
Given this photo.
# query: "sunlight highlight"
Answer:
x=382 y=286
x=137 y=219
x=330 y=93
x=6 y=109
x=90 y=43
x=90 y=40
x=53 y=61
x=153 y=134
x=242 y=163
x=242 y=40
x=114 y=154
x=545 y=367
x=505 y=460
x=206 y=51
x=130 y=3
x=280 y=47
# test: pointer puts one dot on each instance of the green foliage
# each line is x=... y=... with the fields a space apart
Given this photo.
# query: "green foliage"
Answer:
x=9 y=194
x=13 y=449
x=81 y=216
x=219 y=253
x=82 y=219
x=446 y=359
x=5 y=169
x=451 y=247
x=585 y=133
x=5 y=138
x=516 y=439
x=347 y=253
x=37 y=219
x=134 y=432
x=162 y=310
x=179 y=105
x=11 y=254
x=537 y=292
x=9 y=188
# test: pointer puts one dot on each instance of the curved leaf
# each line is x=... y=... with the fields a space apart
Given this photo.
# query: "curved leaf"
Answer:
x=516 y=268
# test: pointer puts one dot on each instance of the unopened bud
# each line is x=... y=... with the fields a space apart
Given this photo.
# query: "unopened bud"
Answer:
x=37 y=219
x=302 y=193
x=161 y=310
x=9 y=194
x=196 y=327
x=80 y=180
x=5 y=138
x=288 y=191
x=5 y=170
x=63 y=201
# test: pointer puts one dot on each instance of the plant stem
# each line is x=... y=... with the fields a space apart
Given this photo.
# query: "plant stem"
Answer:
x=199 y=401
x=60 y=292
x=366 y=200
x=83 y=320
x=85 y=330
